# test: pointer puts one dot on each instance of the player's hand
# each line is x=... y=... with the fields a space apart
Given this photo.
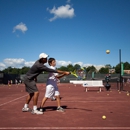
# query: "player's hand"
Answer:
x=67 y=73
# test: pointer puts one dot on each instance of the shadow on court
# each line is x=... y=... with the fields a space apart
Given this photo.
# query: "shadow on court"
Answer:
x=54 y=108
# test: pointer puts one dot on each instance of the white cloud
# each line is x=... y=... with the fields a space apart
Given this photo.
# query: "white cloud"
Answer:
x=61 y=12
x=14 y=62
x=79 y=63
x=2 y=66
x=87 y=65
x=98 y=66
x=62 y=63
x=19 y=63
x=21 y=26
x=29 y=64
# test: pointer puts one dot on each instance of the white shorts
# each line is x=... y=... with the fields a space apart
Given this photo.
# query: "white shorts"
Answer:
x=51 y=91
x=57 y=93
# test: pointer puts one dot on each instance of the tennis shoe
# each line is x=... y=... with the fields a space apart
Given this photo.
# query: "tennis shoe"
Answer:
x=26 y=109
x=60 y=109
x=42 y=109
x=36 y=112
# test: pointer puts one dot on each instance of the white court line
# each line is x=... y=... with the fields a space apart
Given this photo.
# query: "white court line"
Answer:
x=91 y=101
x=12 y=100
x=95 y=101
x=68 y=128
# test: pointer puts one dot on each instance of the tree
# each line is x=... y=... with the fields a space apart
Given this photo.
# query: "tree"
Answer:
x=15 y=71
x=91 y=69
x=24 y=70
x=117 y=69
x=70 y=67
x=63 y=68
x=77 y=66
x=104 y=70
x=11 y=70
x=108 y=66
x=8 y=70
x=126 y=66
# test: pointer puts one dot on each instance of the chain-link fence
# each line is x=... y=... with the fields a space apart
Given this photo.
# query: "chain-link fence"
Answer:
x=42 y=78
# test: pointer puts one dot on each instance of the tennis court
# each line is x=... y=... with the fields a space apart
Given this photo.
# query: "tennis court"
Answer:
x=83 y=110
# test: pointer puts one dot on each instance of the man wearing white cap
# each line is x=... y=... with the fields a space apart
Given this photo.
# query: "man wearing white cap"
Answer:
x=30 y=83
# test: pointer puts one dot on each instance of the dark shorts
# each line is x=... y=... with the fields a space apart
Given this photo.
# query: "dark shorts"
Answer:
x=30 y=85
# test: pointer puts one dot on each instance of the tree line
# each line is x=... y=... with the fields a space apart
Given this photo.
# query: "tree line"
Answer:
x=70 y=67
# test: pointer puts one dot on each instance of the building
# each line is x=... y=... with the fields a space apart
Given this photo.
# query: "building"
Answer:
x=127 y=71
x=111 y=71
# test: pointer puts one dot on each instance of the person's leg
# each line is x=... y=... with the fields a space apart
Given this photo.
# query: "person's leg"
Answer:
x=28 y=99
x=53 y=98
x=35 y=99
x=43 y=102
x=57 y=95
x=59 y=108
x=48 y=94
x=32 y=89
x=58 y=100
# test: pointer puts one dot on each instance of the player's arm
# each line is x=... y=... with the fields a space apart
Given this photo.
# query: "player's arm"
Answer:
x=63 y=72
x=60 y=76
x=45 y=68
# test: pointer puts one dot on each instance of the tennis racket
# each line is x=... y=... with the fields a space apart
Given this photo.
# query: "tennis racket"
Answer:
x=74 y=73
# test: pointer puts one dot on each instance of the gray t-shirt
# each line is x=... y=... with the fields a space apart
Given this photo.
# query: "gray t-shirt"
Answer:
x=38 y=68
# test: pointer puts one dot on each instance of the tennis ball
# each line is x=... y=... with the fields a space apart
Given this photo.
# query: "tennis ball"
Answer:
x=103 y=117
x=127 y=94
x=107 y=51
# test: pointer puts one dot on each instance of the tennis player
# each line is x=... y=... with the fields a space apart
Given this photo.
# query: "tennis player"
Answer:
x=52 y=88
x=30 y=83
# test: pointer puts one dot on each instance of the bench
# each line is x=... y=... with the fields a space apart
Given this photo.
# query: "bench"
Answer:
x=89 y=83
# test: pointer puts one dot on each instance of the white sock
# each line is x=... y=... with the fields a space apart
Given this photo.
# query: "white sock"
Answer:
x=26 y=105
x=34 y=108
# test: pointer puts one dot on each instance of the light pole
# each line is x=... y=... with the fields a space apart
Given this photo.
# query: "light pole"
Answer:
x=107 y=78
x=120 y=77
x=120 y=69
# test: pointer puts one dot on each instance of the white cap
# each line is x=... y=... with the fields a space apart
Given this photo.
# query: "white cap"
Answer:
x=43 y=55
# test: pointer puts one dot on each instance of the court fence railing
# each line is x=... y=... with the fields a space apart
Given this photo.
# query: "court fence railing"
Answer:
x=42 y=78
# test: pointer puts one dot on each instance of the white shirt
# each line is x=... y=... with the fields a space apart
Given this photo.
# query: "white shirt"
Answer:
x=52 y=78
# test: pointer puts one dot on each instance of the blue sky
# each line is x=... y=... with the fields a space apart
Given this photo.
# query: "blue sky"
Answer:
x=71 y=31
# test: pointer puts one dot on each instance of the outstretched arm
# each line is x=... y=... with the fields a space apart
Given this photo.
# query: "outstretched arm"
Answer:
x=60 y=76
x=45 y=68
x=63 y=72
